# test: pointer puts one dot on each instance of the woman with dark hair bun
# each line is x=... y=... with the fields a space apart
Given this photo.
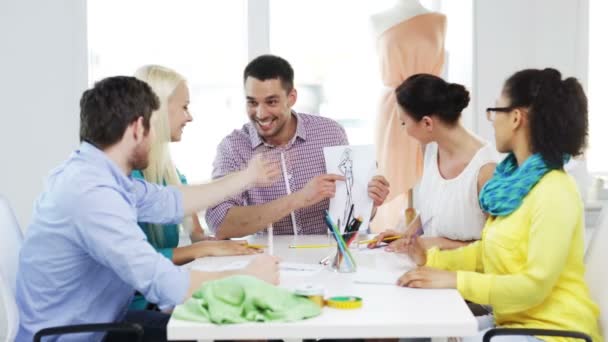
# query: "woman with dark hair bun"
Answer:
x=529 y=263
x=457 y=163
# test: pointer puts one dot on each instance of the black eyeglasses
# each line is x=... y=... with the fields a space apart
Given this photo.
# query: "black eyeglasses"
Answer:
x=491 y=111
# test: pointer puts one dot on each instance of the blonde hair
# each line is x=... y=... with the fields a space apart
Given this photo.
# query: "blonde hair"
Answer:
x=161 y=169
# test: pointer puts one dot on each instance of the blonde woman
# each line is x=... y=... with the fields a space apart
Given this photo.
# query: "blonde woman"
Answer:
x=169 y=121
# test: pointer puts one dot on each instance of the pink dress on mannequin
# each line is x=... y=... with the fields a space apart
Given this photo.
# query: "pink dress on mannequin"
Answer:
x=413 y=46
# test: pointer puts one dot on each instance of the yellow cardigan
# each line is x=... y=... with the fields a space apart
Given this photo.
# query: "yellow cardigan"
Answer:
x=529 y=265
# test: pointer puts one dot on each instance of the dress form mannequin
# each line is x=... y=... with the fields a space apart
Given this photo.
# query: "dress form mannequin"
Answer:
x=410 y=40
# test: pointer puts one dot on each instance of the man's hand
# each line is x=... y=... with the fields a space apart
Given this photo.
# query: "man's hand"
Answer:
x=264 y=267
x=317 y=189
x=428 y=278
x=378 y=190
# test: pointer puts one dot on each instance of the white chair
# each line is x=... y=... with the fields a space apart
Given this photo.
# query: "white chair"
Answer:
x=10 y=244
x=597 y=280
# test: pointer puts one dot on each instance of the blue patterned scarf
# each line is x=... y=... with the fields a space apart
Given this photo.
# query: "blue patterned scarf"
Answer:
x=505 y=191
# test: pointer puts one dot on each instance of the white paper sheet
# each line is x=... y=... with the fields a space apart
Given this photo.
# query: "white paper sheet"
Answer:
x=376 y=277
x=286 y=268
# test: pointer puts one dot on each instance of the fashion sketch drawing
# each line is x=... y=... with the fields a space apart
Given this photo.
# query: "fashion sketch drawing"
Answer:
x=357 y=163
x=346 y=168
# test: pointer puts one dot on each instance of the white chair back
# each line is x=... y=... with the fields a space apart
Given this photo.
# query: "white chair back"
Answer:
x=9 y=314
x=10 y=244
x=597 y=275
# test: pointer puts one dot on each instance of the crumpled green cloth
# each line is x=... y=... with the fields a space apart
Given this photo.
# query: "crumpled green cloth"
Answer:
x=240 y=299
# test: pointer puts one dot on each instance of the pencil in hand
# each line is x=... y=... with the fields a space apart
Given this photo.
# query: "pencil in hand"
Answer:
x=386 y=239
x=257 y=246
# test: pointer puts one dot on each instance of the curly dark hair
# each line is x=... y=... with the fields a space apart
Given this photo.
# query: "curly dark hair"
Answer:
x=422 y=95
x=107 y=109
x=557 y=112
x=268 y=67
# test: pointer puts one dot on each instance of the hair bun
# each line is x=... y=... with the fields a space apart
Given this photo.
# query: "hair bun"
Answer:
x=551 y=74
x=457 y=97
x=425 y=94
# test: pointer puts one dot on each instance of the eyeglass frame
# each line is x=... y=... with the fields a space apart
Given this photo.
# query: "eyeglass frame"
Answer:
x=491 y=118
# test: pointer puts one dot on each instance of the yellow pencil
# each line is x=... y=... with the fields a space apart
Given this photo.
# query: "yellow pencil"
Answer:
x=384 y=240
x=257 y=246
x=310 y=246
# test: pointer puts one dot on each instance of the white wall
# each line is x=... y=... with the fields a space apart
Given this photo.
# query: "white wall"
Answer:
x=43 y=71
x=517 y=34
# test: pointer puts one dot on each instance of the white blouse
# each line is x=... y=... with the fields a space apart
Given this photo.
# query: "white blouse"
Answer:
x=453 y=204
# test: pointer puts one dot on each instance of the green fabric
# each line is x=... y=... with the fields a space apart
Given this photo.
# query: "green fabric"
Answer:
x=164 y=246
x=240 y=299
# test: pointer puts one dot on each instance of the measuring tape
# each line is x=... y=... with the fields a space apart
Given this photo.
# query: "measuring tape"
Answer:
x=316 y=294
x=349 y=302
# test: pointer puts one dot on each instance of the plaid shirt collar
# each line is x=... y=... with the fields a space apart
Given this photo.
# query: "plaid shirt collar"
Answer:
x=256 y=140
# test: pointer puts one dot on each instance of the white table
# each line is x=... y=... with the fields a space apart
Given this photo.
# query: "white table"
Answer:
x=388 y=311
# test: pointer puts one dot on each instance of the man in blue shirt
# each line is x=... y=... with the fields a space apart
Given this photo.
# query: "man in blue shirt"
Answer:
x=84 y=254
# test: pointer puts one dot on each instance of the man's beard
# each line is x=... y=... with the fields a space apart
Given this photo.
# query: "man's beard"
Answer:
x=139 y=159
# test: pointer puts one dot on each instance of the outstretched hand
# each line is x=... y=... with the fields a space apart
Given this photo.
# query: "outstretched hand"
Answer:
x=262 y=171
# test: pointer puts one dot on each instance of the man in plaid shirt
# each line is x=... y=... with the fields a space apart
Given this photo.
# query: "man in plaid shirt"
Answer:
x=296 y=204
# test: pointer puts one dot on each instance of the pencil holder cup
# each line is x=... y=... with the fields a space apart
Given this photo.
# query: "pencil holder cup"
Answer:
x=343 y=261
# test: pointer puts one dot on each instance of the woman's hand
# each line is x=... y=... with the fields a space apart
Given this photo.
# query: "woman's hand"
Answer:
x=223 y=248
x=412 y=246
x=428 y=278
x=261 y=171
x=378 y=239
x=430 y=242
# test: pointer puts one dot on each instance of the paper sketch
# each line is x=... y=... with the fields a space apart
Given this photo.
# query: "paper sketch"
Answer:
x=358 y=165
x=346 y=168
